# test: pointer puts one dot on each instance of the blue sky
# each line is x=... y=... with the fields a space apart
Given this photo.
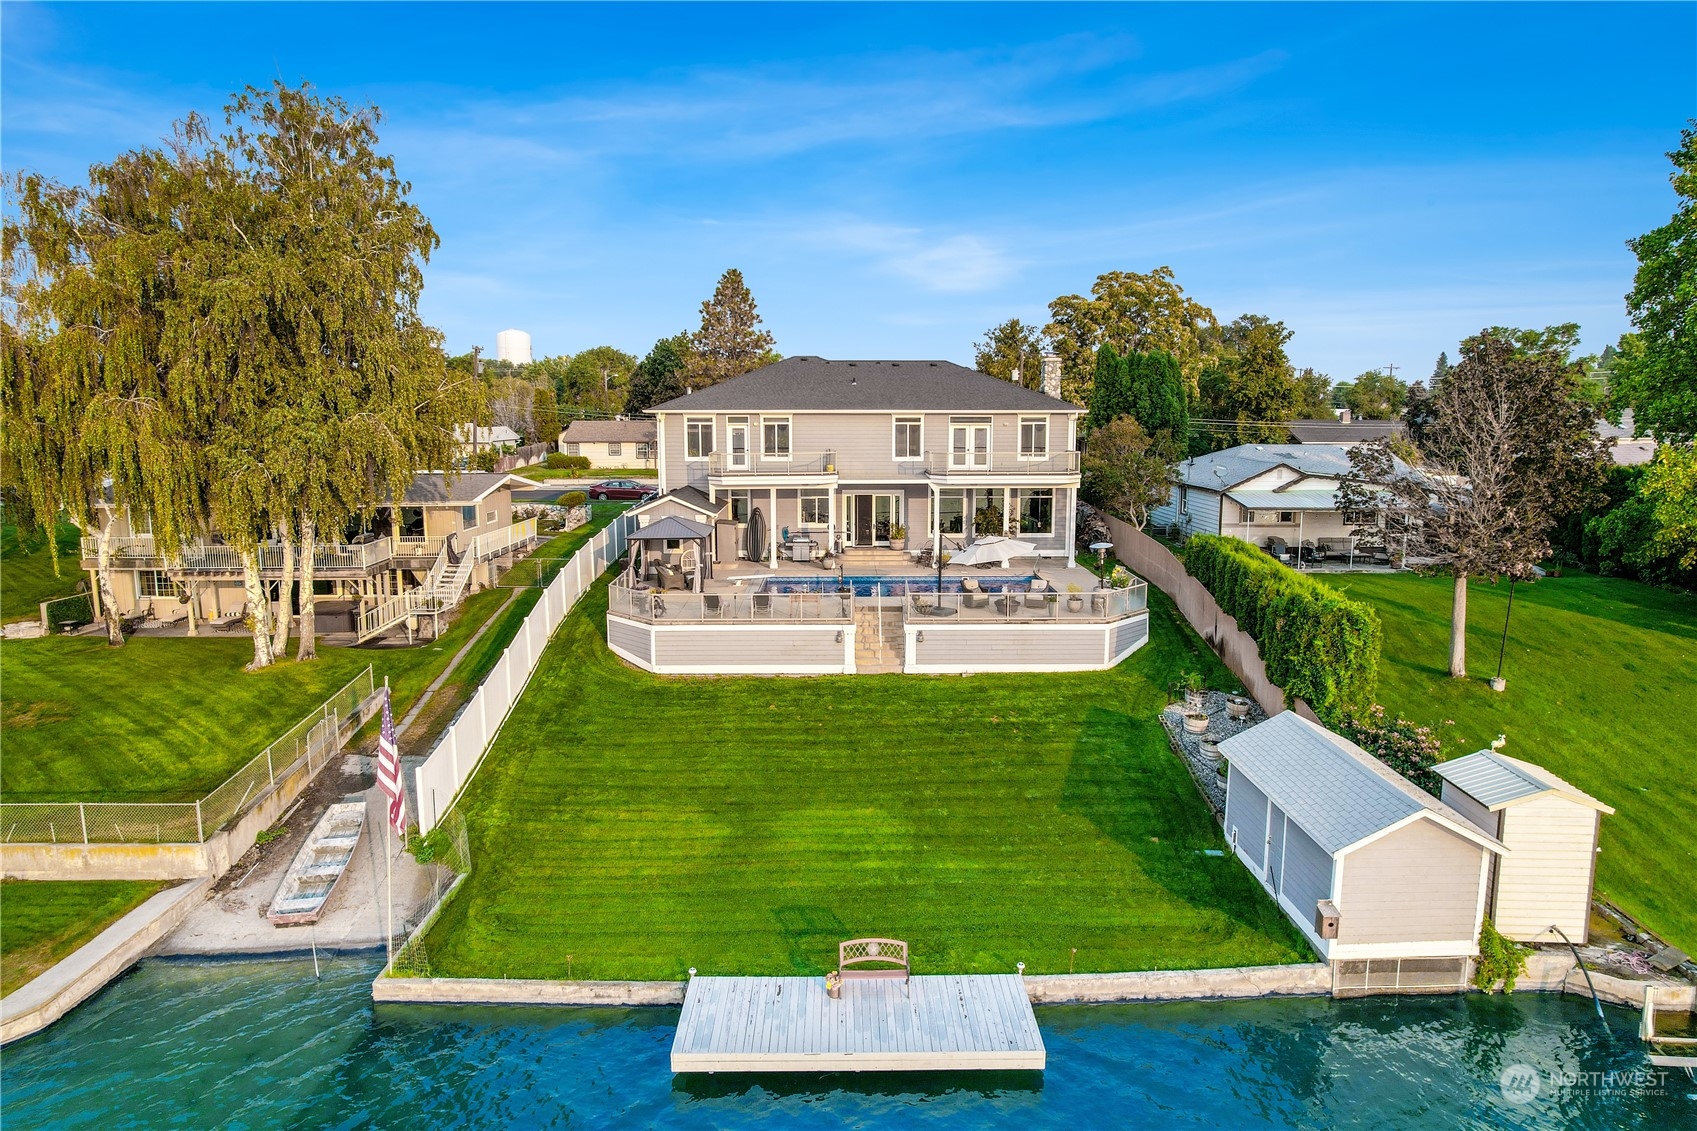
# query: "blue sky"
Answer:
x=893 y=180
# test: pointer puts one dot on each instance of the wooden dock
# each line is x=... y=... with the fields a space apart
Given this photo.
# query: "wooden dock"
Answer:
x=946 y=1022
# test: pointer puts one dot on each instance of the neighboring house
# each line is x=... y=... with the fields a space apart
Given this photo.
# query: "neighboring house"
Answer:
x=1344 y=431
x=611 y=443
x=1261 y=491
x=473 y=438
x=1387 y=882
x=398 y=550
x=1626 y=449
x=844 y=452
x=1550 y=828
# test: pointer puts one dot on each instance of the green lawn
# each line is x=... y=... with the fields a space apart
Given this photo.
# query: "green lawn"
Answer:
x=42 y=922
x=549 y=557
x=26 y=571
x=590 y=474
x=1602 y=679
x=631 y=826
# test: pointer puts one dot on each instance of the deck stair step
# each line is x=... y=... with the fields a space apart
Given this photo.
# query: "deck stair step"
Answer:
x=873 y=559
x=880 y=644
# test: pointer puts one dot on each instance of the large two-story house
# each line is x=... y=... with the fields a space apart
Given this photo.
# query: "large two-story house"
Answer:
x=837 y=455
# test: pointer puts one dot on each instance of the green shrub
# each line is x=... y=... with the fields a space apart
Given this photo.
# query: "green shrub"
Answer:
x=557 y=460
x=1317 y=644
x=71 y=610
x=575 y=463
x=483 y=459
x=573 y=499
x=1500 y=960
x=1406 y=747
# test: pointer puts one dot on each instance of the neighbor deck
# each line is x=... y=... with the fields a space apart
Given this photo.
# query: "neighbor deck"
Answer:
x=944 y=1022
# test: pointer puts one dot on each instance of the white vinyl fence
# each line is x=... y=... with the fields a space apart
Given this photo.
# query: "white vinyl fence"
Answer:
x=456 y=756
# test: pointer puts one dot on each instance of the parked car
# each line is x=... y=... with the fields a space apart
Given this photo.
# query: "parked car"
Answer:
x=620 y=489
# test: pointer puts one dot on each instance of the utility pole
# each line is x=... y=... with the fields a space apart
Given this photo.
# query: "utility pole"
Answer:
x=1391 y=369
x=476 y=371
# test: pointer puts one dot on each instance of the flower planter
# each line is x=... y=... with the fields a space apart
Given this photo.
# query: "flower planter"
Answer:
x=1211 y=746
x=1075 y=604
x=1196 y=700
x=1237 y=706
x=1195 y=722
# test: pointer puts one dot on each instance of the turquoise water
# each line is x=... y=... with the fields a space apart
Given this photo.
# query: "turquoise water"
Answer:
x=869 y=586
x=264 y=1045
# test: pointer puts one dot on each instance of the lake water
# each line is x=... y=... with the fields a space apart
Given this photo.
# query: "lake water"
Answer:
x=264 y=1044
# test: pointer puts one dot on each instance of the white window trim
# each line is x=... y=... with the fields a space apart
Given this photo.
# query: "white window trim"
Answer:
x=819 y=494
x=895 y=424
x=988 y=423
x=1016 y=510
x=784 y=420
x=712 y=439
x=1023 y=421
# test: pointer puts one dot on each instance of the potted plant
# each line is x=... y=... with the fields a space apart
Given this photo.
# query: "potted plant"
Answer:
x=1237 y=706
x=833 y=984
x=898 y=536
x=1195 y=696
x=1195 y=722
x=1075 y=599
x=1211 y=747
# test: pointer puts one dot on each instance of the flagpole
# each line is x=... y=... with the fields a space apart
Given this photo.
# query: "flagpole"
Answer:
x=389 y=861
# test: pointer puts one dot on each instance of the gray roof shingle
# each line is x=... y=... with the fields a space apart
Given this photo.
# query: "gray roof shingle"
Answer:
x=1335 y=791
x=433 y=488
x=1341 y=432
x=1495 y=780
x=816 y=384
x=609 y=431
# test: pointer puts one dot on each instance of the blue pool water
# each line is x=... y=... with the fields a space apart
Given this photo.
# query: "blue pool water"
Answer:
x=893 y=586
x=264 y=1044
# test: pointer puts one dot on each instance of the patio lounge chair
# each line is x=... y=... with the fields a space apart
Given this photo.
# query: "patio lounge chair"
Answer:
x=763 y=604
x=168 y=615
x=973 y=595
x=712 y=605
x=1038 y=596
x=229 y=620
x=669 y=577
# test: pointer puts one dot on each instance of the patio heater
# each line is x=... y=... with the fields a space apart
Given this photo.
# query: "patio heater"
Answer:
x=1100 y=549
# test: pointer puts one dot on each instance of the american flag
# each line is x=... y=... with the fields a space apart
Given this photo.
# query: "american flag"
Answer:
x=389 y=770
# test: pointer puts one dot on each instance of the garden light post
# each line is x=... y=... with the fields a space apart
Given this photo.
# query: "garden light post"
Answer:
x=1498 y=683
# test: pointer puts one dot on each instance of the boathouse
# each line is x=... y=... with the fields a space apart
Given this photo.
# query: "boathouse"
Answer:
x=1384 y=880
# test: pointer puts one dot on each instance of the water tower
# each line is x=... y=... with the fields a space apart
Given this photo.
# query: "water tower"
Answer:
x=513 y=346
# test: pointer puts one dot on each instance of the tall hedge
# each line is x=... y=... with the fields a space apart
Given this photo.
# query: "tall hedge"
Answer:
x=1317 y=644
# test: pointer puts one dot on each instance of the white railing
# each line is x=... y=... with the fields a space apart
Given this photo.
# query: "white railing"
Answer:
x=408 y=547
x=208 y=557
x=497 y=542
x=674 y=606
x=461 y=748
x=790 y=463
x=945 y=464
x=1017 y=604
x=392 y=610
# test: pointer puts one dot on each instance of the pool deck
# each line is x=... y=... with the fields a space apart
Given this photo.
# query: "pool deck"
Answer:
x=733 y=577
x=945 y=1022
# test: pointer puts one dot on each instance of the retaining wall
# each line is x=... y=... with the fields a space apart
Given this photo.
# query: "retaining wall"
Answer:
x=518 y=991
x=1309 y=979
x=1555 y=971
x=75 y=978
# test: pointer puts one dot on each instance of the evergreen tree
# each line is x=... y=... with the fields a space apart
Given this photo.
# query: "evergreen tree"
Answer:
x=729 y=342
x=659 y=377
x=545 y=416
x=1110 y=390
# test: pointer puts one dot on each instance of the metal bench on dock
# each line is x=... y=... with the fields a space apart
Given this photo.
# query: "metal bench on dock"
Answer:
x=888 y=1023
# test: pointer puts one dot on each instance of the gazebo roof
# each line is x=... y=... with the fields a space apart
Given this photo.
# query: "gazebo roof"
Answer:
x=671 y=527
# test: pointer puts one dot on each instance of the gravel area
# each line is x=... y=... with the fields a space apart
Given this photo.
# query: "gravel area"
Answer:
x=1188 y=747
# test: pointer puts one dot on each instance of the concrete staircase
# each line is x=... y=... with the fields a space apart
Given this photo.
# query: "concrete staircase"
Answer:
x=878 y=651
x=874 y=560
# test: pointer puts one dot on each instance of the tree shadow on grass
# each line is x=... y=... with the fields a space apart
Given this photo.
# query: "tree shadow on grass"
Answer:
x=1125 y=780
x=810 y=935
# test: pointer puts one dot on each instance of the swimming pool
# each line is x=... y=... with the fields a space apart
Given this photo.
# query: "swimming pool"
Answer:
x=894 y=586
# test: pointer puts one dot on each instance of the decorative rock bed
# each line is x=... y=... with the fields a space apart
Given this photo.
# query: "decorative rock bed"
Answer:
x=1221 y=726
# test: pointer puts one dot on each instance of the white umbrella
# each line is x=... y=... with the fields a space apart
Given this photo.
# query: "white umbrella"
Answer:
x=993 y=549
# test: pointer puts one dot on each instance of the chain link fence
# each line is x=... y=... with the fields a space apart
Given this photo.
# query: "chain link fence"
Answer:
x=447 y=852
x=311 y=742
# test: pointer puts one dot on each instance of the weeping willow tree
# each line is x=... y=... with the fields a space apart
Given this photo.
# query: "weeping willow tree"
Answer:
x=92 y=424
x=304 y=312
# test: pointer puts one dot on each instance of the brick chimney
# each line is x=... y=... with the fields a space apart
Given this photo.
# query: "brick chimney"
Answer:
x=1052 y=375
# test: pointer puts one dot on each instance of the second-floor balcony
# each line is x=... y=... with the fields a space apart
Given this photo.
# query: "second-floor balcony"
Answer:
x=812 y=465
x=970 y=463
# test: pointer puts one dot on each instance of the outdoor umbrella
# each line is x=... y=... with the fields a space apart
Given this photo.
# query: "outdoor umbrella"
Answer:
x=993 y=549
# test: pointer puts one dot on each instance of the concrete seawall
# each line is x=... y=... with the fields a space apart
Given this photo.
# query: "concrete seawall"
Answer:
x=78 y=977
x=1312 y=978
x=518 y=991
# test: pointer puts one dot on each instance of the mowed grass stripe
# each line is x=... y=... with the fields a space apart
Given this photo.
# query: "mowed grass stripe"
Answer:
x=745 y=825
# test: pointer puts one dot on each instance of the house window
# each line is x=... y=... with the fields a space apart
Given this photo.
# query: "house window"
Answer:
x=739 y=506
x=642 y=451
x=615 y=449
x=775 y=438
x=1184 y=500
x=1248 y=515
x=910 y=437
x=1033 y=438
x=815 y=508
x=468 y=517
x=155 y=583
x=1287 y=516
x=574 y=449
x=1037 y=511
x=951 y=509
x=698 y=438
x=490 y=516
x=1360 y=518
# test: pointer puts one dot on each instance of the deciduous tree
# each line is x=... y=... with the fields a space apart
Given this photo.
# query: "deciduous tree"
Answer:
x=1250 y=380
x=1129 y=311
x=659 y=377
x=1376 y=396
x=1511 y=450
x=596 y=379
x=1125 y=471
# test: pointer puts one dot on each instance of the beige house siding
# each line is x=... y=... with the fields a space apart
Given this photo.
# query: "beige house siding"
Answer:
x=1546 y=877
x=1483 y=819
x=670 y=508
x=598 y=453
x=1419 y=883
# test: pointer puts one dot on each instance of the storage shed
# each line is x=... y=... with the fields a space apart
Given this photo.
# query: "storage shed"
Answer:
x=1550 y=827
x=1386 y=881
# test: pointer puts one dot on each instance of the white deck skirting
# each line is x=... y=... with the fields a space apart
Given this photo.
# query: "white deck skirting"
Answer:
x=943 y=1022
